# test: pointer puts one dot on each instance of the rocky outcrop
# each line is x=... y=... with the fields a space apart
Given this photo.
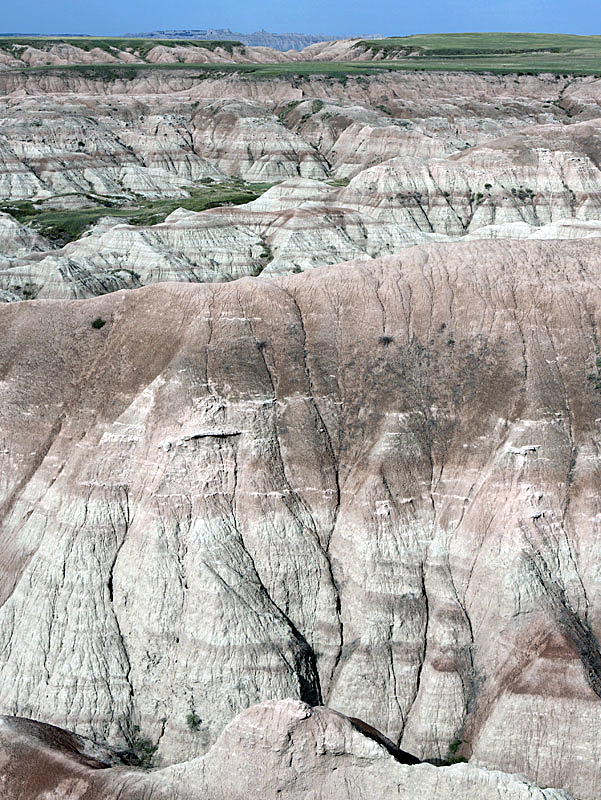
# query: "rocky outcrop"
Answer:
x=370 y=486
x=269 y=48
x=244 y=140
x=284 y=749
x=18 y=240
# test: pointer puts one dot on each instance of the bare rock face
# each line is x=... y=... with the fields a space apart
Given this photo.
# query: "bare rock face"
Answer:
x=241 y=139
x=285 y=749
x=17 y=240
x=371 y=486
x=370 y=489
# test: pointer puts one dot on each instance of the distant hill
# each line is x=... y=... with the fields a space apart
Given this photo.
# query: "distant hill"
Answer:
x=279 y=41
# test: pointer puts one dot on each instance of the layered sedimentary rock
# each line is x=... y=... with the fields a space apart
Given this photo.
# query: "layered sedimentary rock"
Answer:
x=429 y=158
x=118 y=136
x=543 y=182
x=371 y=486
x=17 y=240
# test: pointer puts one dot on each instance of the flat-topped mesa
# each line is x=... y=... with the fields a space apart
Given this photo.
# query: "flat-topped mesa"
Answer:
x=379 y=494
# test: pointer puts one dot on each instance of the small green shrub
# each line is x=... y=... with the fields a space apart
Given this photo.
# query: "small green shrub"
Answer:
x=287 y=109
x=385 y=340
x=142 y=748
x=193 y=721
x=594 y=378
x=98 y=323
x=267 y=253
x=452 y=756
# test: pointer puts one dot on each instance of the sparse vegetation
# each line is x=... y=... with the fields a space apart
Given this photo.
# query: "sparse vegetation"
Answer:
x=385 y=340
x=452 y=757
x=144 y=750
x=141 y=749
x=65 y=225
x=287 y=109
x=113 y=44
x=193 y=721
x=266 y=254
x=98 y=323
x=594 y=378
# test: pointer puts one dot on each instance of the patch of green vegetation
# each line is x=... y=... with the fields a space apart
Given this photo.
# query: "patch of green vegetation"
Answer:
x=193 y=721
x=447 y=44
x=143 y=748
x=385 y=109
x=27 y=290
x=317 y=106
x=265 y=257
x=525 y=53
x=594 y=378
x=98 y=323
x=559 y=65
x=287 y=109
x=65 y=225
x=452 y=757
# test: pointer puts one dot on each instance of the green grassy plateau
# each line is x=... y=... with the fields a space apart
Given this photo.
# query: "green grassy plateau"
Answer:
x=500 y=53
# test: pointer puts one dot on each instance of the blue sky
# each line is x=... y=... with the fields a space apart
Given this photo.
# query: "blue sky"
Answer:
x=348 y=17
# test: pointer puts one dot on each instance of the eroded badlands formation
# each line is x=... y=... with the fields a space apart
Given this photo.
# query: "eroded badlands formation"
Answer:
x=372 y=486
x=427 y=157
x=22 y=54
x=246 y=509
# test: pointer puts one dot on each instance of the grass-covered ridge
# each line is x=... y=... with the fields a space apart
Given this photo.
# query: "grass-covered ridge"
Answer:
x=442 y=44
x=65 y=225
x=493 y=52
